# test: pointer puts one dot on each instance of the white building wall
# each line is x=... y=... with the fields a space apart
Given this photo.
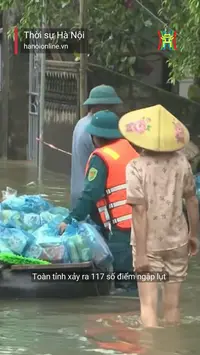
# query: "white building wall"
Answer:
x=184 y=86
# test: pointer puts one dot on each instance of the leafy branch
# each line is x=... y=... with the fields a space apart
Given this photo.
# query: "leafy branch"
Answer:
x=115 y=27
x=185 y=19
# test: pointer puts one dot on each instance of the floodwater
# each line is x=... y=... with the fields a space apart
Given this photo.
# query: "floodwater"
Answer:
x=93 y=325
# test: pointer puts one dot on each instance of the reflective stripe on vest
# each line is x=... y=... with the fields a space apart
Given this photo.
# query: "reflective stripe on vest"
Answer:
x=104 y=209
x=117 y=220
x=112 y=205
x=111 y=152
x=116 y=204
x=115 y=189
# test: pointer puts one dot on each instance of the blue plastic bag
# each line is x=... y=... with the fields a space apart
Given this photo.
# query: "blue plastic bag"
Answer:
x=25 y=221
x=76 y=244
x=46 y=217
x=4 y=248
x=91 y=222
x=35 y=251
x=101 y=254
x=26 y=203
x=54 y=224
x=32 y=221
x=59 y=211
x=68 y=238
x=15 y=239
x=70 y=245
x=52 y=253
x=48 y=233
x=82 y=246
x=11 y=218
x=57 y=253
x=85 y=243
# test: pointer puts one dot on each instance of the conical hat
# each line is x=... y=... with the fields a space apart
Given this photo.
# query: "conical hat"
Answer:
x=154 y=128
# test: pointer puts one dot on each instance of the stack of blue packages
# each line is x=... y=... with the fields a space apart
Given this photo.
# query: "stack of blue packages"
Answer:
x=26 y=204
x=29 y=227
x=31 y=221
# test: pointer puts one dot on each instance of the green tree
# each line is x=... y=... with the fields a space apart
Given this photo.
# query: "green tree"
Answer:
x=117 y=32
x=184 y=17
x=120 y=32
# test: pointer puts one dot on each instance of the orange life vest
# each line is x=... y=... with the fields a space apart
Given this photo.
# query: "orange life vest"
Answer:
x=112 y=207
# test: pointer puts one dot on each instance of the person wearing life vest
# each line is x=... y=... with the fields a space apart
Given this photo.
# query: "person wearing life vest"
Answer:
x=104 y=194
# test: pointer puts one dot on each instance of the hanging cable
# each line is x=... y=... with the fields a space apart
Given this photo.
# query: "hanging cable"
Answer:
x=151 y=13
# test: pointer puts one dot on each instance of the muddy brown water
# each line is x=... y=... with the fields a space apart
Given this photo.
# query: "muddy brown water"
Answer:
x=58 y=327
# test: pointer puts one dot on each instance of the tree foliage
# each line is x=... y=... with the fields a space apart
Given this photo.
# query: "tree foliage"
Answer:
x=116 y=27
x=117 y=34
x=184 y=17
x=118 y=30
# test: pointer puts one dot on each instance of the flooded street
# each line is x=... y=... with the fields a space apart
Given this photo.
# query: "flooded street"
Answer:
x=22 y=176
x=75 y=327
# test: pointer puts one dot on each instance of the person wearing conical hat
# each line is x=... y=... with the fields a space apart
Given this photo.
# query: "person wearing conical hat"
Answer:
x=100 y=98
x=104 y=194
x=157 y=183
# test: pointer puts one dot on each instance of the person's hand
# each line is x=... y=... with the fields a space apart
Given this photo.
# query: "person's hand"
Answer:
x=62 y=227
x=141 y=263
x=193 y=246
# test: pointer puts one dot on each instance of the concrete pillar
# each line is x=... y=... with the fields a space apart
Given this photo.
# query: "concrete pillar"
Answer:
x=183 y=87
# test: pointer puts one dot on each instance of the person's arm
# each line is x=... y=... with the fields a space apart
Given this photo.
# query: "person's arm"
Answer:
x=192 y=207
x=94 y=189
x=135 y=198
x=191 y=203
x=82 y=147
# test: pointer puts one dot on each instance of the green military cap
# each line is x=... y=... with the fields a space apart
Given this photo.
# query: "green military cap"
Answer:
x=103 y=95
x=104 y=124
